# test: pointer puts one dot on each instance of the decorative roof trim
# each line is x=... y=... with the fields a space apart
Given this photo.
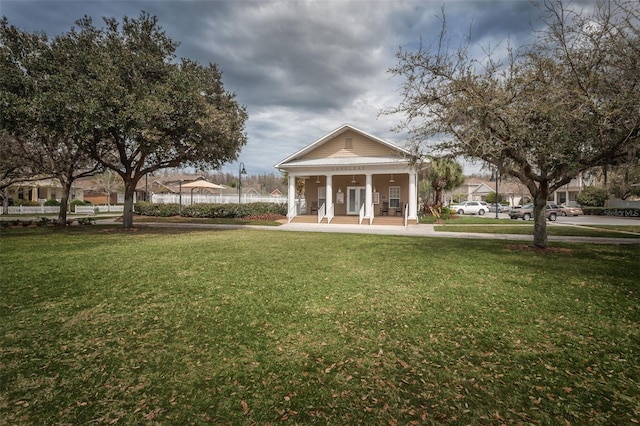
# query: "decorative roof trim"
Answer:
x=335 y=133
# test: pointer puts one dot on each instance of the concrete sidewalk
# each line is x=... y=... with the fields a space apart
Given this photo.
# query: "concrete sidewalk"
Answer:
x=420 y=230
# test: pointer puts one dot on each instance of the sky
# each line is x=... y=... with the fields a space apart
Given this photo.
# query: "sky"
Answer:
x=302 y=68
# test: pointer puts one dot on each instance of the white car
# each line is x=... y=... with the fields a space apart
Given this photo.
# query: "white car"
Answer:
x=469 y=207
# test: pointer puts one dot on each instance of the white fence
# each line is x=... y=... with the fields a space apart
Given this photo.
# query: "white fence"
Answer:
x=188 y=199
x=33 y=209
x=99 y=209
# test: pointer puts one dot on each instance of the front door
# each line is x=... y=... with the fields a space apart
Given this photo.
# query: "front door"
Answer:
x=355 y=199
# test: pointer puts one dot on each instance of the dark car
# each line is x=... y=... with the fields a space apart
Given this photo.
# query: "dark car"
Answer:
x=526 y=212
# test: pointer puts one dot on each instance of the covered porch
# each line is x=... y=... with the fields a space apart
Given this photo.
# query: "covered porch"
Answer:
x=351 y=174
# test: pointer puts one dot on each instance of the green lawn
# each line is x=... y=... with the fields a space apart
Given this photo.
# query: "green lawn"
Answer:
x=99 y=325
x=552 y=230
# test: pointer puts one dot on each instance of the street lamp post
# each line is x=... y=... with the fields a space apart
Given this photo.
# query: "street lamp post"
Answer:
x=241 y=171
x=497 y=176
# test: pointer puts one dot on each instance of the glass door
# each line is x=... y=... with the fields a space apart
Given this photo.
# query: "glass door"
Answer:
x=356 y=196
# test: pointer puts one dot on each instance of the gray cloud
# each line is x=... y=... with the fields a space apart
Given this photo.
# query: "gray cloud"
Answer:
x=302 y=68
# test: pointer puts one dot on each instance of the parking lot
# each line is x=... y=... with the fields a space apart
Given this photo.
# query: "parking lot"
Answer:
x=583 y=220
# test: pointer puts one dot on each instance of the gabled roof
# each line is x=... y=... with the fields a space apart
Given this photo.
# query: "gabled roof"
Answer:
x=291 y=160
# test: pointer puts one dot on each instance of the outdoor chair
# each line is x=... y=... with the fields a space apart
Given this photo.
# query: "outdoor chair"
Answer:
x=399 y=210
x=314 y=207
x=384 y=209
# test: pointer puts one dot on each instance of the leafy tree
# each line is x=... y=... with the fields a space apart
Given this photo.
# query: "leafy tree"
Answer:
x=491 y=198
x=592 y=196
x=624 y=181
x=119 y=94
x=155 y=113
x=13 y=167
x=444 y=174
x=556 y=108
x=44 y=97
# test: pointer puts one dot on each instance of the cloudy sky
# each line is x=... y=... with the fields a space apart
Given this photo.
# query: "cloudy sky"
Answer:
x=302 y=68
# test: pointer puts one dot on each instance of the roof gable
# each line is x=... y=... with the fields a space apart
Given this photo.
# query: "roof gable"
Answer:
x=347 y=142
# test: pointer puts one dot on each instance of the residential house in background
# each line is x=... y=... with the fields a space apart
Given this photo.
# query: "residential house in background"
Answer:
x=476 y=189
x=39 y=191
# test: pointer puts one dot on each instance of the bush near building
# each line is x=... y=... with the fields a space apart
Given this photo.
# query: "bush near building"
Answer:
x=218 y=211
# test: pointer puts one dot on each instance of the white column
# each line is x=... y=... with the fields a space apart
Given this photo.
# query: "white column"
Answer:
x=291 y=195
x=413 y=195
x=329 y=193
x=368 y=196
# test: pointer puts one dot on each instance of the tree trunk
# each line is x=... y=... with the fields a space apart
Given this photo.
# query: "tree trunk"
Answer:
x=540 y=220
x=438 y=199
x=127 y=215
x=5 y=200
x=64 y=202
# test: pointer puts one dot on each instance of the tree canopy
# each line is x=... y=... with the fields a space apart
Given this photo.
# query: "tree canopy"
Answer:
x=564 y=104
x=444 y=174
x=121 y=98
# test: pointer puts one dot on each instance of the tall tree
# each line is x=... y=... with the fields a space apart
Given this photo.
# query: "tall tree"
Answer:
x=45 y=103
x=567 y=103
x=444 y=174
x=119 y=94
x=157 y=113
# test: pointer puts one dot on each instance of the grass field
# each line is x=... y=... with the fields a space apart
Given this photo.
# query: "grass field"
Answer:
x=100 y=325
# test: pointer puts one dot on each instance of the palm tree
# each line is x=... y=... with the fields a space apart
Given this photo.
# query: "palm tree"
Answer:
x=444 y=174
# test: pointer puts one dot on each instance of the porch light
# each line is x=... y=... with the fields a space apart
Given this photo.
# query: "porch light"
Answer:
x=392 y=180
x=353 y=179
x=317 y=179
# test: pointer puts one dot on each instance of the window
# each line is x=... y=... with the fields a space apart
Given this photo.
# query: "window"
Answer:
x=322 y=195
x=348 y=143
x=394 y=196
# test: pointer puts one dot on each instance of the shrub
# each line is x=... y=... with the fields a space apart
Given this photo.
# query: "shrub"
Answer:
x=26 y=203
x=43 y=221
x=158 y=210
x=52 y=202
x=446 y=213
x=77 y=202
x=592 y=196
x=86 y=221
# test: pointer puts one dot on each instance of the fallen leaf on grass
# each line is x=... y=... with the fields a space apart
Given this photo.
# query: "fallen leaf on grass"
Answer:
x=245 y=407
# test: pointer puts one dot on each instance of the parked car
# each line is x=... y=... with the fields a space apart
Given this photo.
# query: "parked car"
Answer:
x=526 y=212
x=469 y=207
x=570 y=210
x=501 y=208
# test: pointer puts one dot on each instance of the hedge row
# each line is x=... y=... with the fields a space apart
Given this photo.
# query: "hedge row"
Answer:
x=612 y=211
x=229 y=211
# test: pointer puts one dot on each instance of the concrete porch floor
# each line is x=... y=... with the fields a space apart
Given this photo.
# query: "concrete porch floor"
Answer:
x=353 y=220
